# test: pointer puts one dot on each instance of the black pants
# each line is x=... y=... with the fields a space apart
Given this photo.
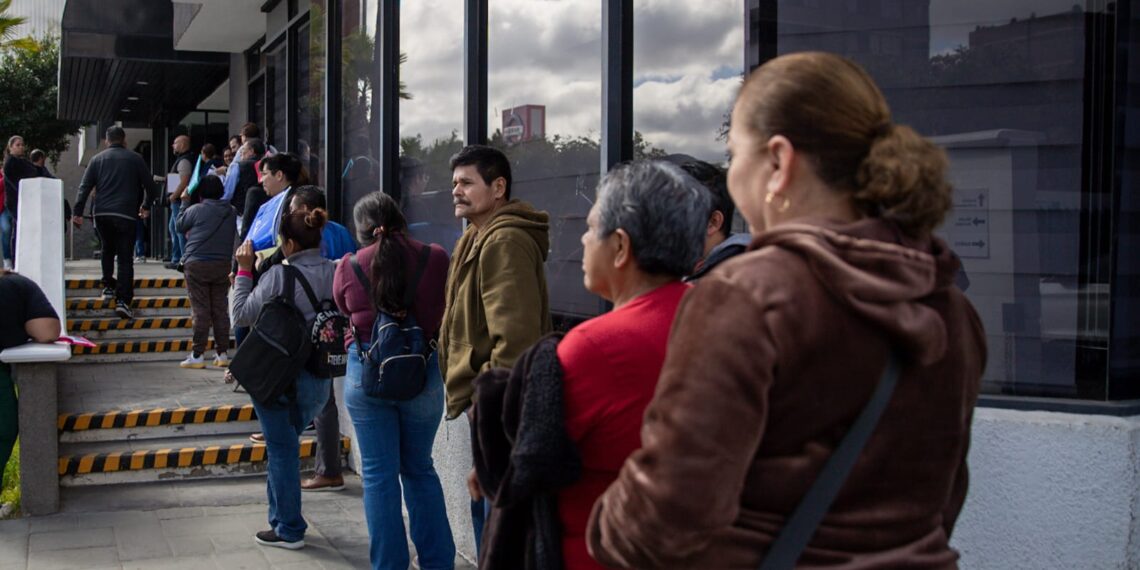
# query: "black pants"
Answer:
x=327 y=423
x=118 y=237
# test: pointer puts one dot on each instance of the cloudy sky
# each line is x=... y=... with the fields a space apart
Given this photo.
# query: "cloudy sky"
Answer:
x=688 y=57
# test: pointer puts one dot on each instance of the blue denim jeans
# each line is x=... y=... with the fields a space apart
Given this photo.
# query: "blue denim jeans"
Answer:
x=395 y=441
x=177 y=240
x=140 y=238
x=7 y=228
x=282 y=424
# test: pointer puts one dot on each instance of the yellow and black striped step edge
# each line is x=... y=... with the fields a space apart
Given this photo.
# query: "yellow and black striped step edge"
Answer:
x=117 y=324
x=172 y=458
x=161 y=283
x=138 y=346
x=156 y=417
x=139 y=303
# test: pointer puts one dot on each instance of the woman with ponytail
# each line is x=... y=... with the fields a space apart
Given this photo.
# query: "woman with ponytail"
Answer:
x=395 y=437
x=284 y=421
x=778 y=350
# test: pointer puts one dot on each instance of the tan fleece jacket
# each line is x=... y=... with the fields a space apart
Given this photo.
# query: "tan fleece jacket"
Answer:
x=497 y=302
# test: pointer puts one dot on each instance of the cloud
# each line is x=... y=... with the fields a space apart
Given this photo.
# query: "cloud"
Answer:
x=687 y=57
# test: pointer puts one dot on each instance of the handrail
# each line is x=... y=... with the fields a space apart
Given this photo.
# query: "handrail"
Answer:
x=40 y=257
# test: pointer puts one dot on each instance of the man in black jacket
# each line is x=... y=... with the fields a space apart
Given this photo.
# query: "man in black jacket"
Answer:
x=126 y=189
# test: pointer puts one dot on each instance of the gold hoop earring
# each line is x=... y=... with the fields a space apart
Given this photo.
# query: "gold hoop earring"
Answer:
x=783 y=207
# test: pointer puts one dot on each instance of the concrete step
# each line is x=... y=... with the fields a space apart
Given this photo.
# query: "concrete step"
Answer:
x=115 y=462
x=122 y=347
x=90 y=327
x=157 y=423
x=94 y=287
x=108 y=305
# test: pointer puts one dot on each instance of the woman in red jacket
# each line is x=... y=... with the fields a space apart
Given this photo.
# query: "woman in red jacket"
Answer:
x=644 y=233
x=395 y=438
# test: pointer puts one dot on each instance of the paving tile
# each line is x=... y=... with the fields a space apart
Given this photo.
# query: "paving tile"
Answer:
x=179 y=513
x=233 y=542
x=13 y=549
x=249 y=560
x=204 y=526
x=190 y=545
x=71 y=539
x=141 y=541
x=86 y=558
x=52 y=523
x=192 y=563
x=13 y=526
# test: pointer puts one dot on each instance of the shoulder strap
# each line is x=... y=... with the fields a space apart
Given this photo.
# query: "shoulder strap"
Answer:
x=410 y=294
x=797 y=532
x=296 y=275
x=360 y=276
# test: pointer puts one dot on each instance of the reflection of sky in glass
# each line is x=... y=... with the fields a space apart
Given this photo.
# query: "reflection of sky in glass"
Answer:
x=951 y=21
x=688 y=58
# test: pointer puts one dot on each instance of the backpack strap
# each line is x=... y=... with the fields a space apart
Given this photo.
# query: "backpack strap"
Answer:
x=804 y=521
x=360 y=276
x=296 y=275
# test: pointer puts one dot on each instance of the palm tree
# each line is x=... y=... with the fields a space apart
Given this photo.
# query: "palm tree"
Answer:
x=8 y=25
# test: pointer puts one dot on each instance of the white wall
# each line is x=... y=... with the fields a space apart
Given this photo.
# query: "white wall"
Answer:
x=1051 y=490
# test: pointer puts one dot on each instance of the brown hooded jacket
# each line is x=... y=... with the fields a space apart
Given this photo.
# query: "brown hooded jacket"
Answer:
x=771 y=358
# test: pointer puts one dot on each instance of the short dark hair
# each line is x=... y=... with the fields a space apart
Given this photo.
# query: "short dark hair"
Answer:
x=257 y=146
x=208 y=150
x=210 y=188
x=286 y=162
x=311 y=196
x=489 y=161
x=251 y=131
x=715 y=180
x=116 y=134
x=37 y=155
x=235 y=137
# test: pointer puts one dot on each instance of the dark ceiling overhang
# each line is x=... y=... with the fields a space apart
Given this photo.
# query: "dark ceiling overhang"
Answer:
x=118 y=63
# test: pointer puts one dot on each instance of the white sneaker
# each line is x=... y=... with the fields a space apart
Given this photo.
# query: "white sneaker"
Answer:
x=195 y=362
x=8 y=265
x=222 y=360
x=140 y=259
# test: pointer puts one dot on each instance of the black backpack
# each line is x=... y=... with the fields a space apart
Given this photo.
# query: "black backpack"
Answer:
x=328 y=358
x=271 y=357
x=395 y=365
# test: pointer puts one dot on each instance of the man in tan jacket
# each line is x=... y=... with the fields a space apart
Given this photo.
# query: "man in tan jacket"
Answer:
x=497 y=303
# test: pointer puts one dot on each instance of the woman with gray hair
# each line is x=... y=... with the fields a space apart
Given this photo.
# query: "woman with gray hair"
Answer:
x=644 y=233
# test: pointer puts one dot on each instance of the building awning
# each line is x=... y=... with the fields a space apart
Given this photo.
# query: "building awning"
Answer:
x=118 y=63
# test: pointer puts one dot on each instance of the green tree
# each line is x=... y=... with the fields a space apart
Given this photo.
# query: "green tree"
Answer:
x=29 y=88
x=8 y=25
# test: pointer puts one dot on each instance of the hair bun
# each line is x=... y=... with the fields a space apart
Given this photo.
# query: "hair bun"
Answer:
x=903 y=178
x=317 y=218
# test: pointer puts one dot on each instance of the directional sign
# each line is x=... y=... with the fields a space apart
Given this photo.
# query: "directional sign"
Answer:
x=968 y=226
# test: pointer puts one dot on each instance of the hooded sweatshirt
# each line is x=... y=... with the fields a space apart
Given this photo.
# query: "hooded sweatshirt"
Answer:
x=496 y=300
x=769 y=362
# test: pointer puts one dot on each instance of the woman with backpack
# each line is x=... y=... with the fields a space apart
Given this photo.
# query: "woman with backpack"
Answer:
x=404 y=279
x=283 y=420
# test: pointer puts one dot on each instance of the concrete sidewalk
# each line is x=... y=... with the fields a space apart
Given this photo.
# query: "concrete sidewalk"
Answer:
x=196 y=525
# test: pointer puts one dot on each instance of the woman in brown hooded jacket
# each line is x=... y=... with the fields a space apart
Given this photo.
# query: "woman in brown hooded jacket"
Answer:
x=777 y=351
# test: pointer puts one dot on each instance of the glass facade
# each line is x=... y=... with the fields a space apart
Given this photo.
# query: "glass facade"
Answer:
x=1034 y=102
x=1019 y=95
x=544 y=99
x=308 y=140
x=431 y=115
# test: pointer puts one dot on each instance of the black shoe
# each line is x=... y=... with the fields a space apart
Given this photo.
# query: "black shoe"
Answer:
x=270 y=538
x=108 y=293
x=169 y=265
x=124 y=310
